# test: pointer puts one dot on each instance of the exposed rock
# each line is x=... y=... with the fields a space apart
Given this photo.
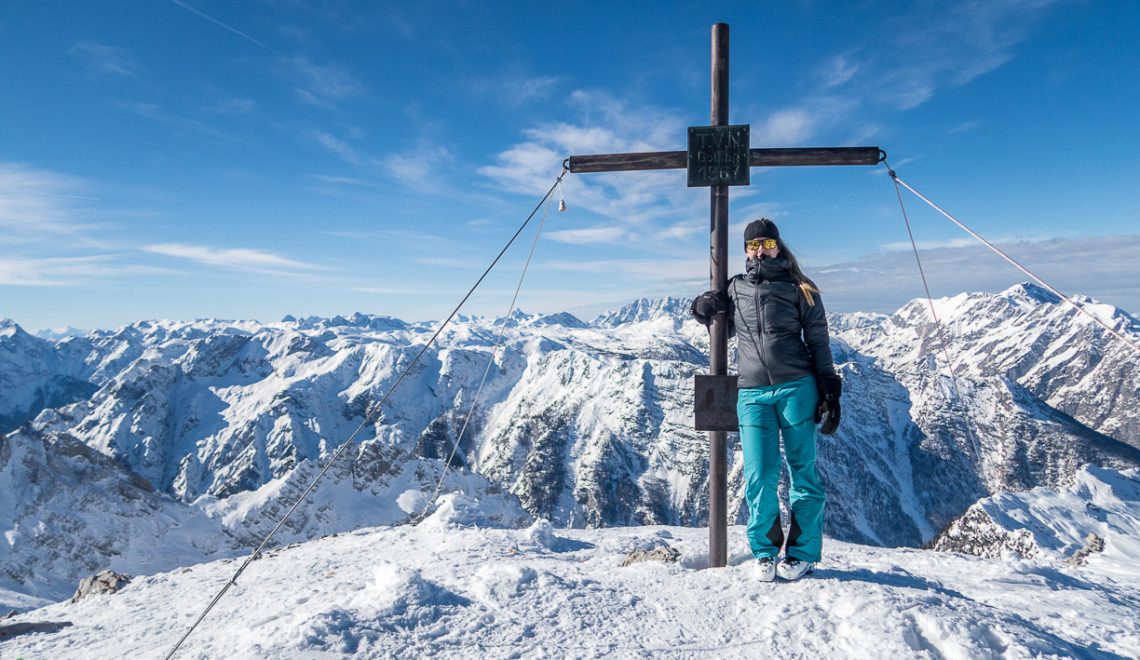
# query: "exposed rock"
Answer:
x=107 y=582
x=665 y=553
x=1093 y=543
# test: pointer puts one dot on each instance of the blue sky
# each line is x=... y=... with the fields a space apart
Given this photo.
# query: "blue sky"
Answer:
x=194 y=159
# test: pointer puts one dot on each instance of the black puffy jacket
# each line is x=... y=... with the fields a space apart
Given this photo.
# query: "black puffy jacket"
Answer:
x=780 y=337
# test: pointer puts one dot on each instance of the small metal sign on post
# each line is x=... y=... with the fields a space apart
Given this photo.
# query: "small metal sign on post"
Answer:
x=720 y=156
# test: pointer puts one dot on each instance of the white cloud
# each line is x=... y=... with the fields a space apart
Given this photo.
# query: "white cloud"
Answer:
x=157 y=113
x=64 y=271
x=340 y=180
x=40 y=205
x=838 y=70
x=103 y=59
x=951 y=44
x=402 y=291
x=930 y=245
x=784 y=128
x=1104 y=267
x=323 y=85
x=638 y=201
x=336 y=146
x=231 y=107
x=651 y=270
x=588 y=236
x=419 y=168
x=515 y=90
x=241 y=259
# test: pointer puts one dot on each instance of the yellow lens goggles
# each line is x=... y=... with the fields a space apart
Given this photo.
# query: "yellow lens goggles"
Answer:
x=756 y=244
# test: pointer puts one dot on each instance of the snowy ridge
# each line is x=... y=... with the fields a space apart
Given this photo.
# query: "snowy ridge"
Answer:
x=585 y=425
x=453 y=588
x=644 y=310
x=68 y=511
x=1029 y=336
x=1054 y=525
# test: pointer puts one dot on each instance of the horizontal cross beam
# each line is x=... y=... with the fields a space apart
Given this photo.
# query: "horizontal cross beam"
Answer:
x=667 y=160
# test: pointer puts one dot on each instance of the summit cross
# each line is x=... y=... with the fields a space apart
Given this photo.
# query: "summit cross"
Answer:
x=720 y=156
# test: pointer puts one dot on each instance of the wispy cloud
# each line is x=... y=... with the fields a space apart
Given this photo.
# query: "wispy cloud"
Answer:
x=838 y=70
x=419 y=167
x=587 y=236
x=157 y=113
x=946 y=45
x=648 y=270
x=784 y=128
x=929 y=47
x=102 y=59
x=1104 y=267
x=465 y=263
x=240 y=259
x=336 y=145
x=231 y=107
x=323 y=85
x=40 y=205
x=400 y=291
x=604 y=124
x=400 y=234
x=965 y=127
x=515 y=90
x=930 y=245
x=341 y=180
x=65 y=271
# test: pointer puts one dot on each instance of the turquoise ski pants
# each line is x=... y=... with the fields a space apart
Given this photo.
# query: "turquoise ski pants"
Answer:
x=765 y=414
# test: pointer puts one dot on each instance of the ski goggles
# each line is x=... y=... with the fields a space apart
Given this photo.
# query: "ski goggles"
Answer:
x=756 y=244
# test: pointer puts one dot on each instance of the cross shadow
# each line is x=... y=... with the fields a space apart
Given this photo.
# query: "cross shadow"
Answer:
x=17 y=629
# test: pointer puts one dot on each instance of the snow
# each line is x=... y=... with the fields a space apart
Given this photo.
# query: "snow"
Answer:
x=445 y=589
x=454 y=587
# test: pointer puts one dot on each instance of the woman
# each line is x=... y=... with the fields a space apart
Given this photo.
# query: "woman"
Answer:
x=787 y=385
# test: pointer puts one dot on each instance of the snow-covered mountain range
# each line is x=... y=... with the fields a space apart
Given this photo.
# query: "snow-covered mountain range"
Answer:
x=211 y=429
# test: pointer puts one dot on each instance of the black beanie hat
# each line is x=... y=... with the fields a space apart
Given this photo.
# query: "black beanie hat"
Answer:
x=762 y=228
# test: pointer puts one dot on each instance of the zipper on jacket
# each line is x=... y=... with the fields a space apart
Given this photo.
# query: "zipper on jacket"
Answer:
x=760 y=326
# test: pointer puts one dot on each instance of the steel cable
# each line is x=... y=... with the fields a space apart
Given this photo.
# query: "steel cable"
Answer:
x=1003 y=255
x=929 y=299
x=368 y=418
x=490 y=363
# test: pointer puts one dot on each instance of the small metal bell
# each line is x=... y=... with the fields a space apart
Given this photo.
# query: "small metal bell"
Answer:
x=561 y=206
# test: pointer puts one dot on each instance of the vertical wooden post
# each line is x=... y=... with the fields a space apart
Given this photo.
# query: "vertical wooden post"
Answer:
x=718 y=280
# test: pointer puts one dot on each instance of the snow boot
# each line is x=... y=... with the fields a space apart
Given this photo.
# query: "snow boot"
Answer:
x=794 y=569
x=764 y=569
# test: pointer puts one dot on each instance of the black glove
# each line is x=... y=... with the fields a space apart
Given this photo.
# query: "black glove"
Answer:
x=827 y=412
x=709 y=304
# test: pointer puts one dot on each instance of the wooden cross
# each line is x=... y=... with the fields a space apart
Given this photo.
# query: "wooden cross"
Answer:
x=716 y=159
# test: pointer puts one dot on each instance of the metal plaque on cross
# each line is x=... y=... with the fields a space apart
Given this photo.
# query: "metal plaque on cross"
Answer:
x=718 y=156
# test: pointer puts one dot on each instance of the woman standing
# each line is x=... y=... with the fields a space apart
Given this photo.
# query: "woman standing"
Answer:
x=787 y=385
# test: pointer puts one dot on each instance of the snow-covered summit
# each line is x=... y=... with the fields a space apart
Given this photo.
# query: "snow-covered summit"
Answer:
x=451 y=587
x=9 y=328
x=644 y=309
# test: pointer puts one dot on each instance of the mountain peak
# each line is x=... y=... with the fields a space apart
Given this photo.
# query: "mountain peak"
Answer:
x=1030 y=292
x=9 y=328
x=644 y=309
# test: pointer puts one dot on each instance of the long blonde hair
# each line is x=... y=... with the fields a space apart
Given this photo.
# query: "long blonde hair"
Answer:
x=807 y=287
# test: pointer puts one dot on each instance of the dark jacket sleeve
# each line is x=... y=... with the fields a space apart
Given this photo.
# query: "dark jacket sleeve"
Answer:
x=813 y=318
